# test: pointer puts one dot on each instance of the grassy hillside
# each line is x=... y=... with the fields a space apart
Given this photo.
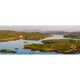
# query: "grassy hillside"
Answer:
x=61 y=46
x=6 y=35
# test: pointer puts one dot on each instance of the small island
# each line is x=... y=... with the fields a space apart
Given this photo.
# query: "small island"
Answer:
x=7 y=51
x=66 y=46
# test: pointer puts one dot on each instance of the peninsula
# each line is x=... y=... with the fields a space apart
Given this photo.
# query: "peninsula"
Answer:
x=66 y=46
x=7 y=35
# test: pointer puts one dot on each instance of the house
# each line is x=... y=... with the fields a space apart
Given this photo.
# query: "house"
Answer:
x=21 y=36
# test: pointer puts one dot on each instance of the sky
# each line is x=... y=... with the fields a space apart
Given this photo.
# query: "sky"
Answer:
x=41 y=28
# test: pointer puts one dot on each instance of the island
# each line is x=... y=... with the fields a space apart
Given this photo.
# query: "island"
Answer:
x=66 y=46
x=75 y=35
x=7 y=51
x=7 y=35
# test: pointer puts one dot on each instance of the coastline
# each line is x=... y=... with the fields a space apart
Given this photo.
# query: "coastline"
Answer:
x=64 y=52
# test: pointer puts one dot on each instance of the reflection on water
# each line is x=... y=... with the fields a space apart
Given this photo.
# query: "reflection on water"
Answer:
x=11 y=45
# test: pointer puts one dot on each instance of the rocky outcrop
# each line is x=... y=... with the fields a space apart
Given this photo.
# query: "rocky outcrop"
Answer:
x=7 y=51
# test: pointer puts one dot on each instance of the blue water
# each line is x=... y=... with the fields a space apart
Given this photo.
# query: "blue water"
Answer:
x=11 y=45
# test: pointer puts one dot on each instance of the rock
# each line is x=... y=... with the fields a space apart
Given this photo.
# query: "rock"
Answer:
x=7 y=51
x=16 y=48
x=25 y=42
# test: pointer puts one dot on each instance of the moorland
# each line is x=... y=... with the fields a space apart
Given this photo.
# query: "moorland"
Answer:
x=66 y=46
x=7 y=35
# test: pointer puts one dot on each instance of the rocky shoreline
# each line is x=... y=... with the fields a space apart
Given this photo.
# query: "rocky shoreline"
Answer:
x=64 y=52
x=6 y=40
